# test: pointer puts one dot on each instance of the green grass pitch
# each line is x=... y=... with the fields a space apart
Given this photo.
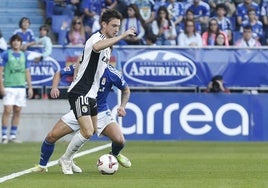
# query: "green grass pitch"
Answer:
x=155 y=164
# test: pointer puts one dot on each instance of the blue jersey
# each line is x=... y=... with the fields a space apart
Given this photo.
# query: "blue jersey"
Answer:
x=111 y=77
x=27 y=36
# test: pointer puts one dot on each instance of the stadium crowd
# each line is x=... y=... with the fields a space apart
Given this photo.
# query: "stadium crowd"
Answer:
x=161 y=22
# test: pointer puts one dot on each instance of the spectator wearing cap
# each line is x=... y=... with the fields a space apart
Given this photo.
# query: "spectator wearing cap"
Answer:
x=216 y=85
x=27 y=34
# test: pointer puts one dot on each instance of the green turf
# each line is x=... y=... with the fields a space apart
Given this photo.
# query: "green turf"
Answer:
x=154 y=164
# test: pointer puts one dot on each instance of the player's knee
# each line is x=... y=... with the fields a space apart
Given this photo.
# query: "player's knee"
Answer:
x=120 y=140
x=87 y=134
x=51 y=138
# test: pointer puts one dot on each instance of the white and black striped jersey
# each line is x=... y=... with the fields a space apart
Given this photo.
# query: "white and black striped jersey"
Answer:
x=92 y=66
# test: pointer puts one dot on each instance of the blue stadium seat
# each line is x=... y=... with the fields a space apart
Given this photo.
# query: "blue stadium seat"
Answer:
x=49 y=8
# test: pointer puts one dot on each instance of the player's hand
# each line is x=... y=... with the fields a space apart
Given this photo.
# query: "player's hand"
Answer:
x=2 y=91
x=121 y=112
x=131 y=32
x=30 y=92
x=54 y=93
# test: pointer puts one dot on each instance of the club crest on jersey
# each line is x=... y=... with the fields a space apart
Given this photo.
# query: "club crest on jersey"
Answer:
x=84 y=109
x=103 y=81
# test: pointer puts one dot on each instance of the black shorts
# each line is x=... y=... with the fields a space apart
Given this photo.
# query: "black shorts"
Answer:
x=82 y=106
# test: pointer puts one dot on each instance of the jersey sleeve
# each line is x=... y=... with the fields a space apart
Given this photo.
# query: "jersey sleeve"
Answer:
x=3 y=59
x=67 y=71
x=117 y=79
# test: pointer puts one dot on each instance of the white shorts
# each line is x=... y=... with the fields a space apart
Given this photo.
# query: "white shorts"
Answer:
x=104 y=119
x=15 y=96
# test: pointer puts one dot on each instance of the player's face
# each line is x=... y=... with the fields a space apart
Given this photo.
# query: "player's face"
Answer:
x=112 y=28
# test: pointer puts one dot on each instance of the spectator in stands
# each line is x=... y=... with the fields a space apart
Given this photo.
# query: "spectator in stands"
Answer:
x=164 y=28
x=224 y=22
x=66 y=7
x=51 y=34
x=230 y=7
x=242 y=10
x=189 y=15
x=3 y=43
x=14 y=74
x=45 y=41
x=264 y=19
x=201 y=13
x=247 y=39
x=135 y=20
x=189 y=37
x=150 y=39
x=216 y=85
x=220 y=40
x=27 y=34
x=176 y=12
x=257 y=26
x=213 y=30
x=92 y=10
x=147 y=13
x=75 y=36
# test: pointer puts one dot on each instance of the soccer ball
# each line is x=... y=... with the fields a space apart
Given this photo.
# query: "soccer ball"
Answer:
x=107 y=164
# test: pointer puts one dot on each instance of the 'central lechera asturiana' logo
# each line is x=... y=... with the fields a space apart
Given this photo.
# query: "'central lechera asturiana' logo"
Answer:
x=159 y=68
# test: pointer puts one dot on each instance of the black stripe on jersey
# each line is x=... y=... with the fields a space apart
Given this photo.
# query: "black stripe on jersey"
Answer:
x=85 y=83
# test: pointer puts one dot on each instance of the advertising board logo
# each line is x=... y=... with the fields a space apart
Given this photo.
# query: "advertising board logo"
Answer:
x=44 y=70
x=159 y=68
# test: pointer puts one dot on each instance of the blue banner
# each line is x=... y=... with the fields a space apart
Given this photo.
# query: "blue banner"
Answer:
x=169 y=67
x=173 y=116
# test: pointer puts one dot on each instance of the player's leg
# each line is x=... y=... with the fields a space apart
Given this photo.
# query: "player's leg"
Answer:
x=14 y=124
x=59 y=130
x=5 y=121
x=113 y=131
x=87 y=119
x=19 y=95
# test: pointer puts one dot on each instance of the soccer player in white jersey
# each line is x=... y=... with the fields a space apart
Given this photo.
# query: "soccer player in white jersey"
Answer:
x=107 y=126
x=82 y=92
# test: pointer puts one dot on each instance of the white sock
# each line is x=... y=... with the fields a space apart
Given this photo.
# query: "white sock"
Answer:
x=76 y=143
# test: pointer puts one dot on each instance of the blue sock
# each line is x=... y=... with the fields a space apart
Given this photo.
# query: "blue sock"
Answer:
x=13 y=131
x=46 y=152
x=4 y=131
x=116 y=148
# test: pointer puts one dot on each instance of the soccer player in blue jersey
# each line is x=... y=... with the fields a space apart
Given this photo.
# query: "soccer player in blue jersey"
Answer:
x=107 y=126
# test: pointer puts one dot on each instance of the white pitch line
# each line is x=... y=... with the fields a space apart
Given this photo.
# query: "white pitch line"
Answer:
x=53 y=163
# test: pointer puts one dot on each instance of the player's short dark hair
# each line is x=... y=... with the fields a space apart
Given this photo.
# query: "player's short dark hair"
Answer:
x=110 y=14
x=22 y=20
x=15 y=37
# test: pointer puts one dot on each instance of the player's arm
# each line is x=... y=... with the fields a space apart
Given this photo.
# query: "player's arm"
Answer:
x=55 y=92
x=121 y=112
x=102 y=44
x=29 y=83
x=2 y=88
